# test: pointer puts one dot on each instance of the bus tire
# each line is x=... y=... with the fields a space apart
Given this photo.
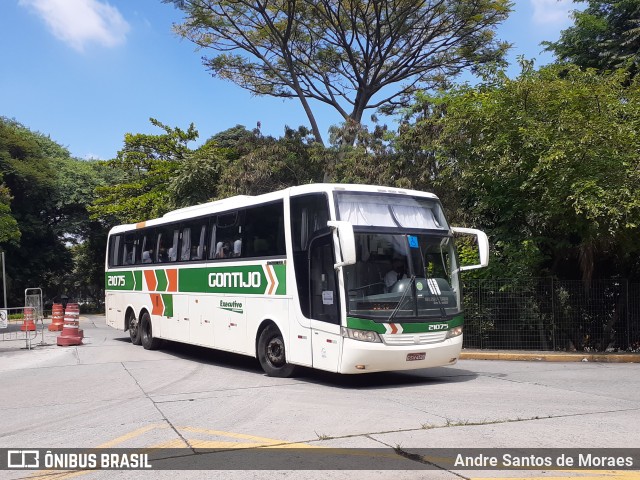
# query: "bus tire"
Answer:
x=134 y=328
x=146 y=333
x=271 y=354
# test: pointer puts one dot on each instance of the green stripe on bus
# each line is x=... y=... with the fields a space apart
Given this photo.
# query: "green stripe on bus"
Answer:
x=119 y=280
x=281 y=274
x=161 y=276
x=366 y=324
x=167 y=299
x=245 y=280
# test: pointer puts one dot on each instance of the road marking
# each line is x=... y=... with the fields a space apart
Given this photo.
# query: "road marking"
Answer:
x=130 y=435
x=242 y=436
x=254 y=441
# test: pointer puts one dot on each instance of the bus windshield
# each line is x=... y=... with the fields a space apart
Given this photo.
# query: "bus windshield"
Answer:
x=403 y=276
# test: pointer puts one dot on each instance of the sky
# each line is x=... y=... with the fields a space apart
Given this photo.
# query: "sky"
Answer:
x=85 y=72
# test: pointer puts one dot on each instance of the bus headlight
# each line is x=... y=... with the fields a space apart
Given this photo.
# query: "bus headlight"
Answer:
x=361 y=335
x=454 y=332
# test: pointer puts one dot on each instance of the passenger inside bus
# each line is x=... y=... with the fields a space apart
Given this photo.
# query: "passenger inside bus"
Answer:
x=237 y=247
x=162 y=255
x=222 y=250
x=396 y=273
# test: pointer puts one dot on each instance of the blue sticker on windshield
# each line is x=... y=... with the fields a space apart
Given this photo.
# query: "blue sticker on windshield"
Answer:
x=413 y=241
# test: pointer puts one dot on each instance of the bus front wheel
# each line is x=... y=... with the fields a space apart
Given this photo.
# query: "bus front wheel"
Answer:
x=134 y=328
x=271 y=354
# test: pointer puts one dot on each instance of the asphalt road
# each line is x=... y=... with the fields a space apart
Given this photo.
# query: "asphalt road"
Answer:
x=110 y=393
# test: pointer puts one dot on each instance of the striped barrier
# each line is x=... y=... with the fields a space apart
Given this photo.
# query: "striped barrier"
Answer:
x=28 y=324
x=57 y=318
x=71 y=332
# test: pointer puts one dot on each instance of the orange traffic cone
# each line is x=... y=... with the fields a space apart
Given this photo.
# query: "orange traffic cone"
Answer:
x=57 y=318
x=28 y=324
x=70 y=331
x=73 y=309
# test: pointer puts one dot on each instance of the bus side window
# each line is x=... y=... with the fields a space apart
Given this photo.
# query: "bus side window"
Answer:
x=264 y=231
x=173 y=249
x=199 y=241
x=129 y=250
x=115 y=256
x=228 y=230
x=167 y=244
x=212 y=238
x=146 y=246
x=185 y=244
x=192 y=246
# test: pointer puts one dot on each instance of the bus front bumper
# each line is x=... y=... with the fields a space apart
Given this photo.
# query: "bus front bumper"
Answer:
x=365 y=357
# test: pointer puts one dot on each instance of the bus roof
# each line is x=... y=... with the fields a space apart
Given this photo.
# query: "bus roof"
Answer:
x=240 y=201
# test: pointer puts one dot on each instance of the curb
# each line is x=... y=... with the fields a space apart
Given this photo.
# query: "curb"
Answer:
x=552 y=356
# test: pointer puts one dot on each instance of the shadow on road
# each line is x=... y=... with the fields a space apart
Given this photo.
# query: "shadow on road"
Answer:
x=373 y=381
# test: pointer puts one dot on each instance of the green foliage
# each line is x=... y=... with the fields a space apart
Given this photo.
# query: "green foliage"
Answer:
x=196 y=180
x=157 y=173
x=264 y=164
x=352 y=56
x=86 y=279
x=9 y=230
x=549 y=157
x=35 y=252
x=605 y=36
x=76 y=181
x=146 y=165
x=44 y=200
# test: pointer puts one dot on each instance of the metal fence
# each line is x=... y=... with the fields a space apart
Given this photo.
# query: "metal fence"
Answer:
x=12 y=329
x=551 y=314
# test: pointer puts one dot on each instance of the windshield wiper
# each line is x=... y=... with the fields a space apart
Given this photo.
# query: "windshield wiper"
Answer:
x=404 y=294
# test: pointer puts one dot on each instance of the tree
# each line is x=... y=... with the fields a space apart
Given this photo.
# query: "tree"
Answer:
x=351 y=55
x=547 y=163
x=37 y=257
x=45 y=227
x=146 y=165
x=238 y=161
x=197 y=178
x=9 y=231
x=605 y=36
x=266 y=164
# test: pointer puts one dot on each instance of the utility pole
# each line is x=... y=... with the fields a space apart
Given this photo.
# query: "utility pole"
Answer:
x=4 y=281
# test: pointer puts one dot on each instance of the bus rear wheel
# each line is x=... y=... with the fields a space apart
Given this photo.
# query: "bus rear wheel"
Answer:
x=271 y=353
x=146 y=333
x=134 y=329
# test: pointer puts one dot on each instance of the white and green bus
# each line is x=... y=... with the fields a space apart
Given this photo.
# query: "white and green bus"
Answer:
x=343 y=278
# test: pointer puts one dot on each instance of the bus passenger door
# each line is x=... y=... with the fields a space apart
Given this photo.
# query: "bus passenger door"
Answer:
x=326 y=341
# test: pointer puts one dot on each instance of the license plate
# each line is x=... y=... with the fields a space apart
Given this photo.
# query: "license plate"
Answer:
x=416 y=356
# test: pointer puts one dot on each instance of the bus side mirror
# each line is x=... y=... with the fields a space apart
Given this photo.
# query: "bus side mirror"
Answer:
x=483 y=246
x=347 y=242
